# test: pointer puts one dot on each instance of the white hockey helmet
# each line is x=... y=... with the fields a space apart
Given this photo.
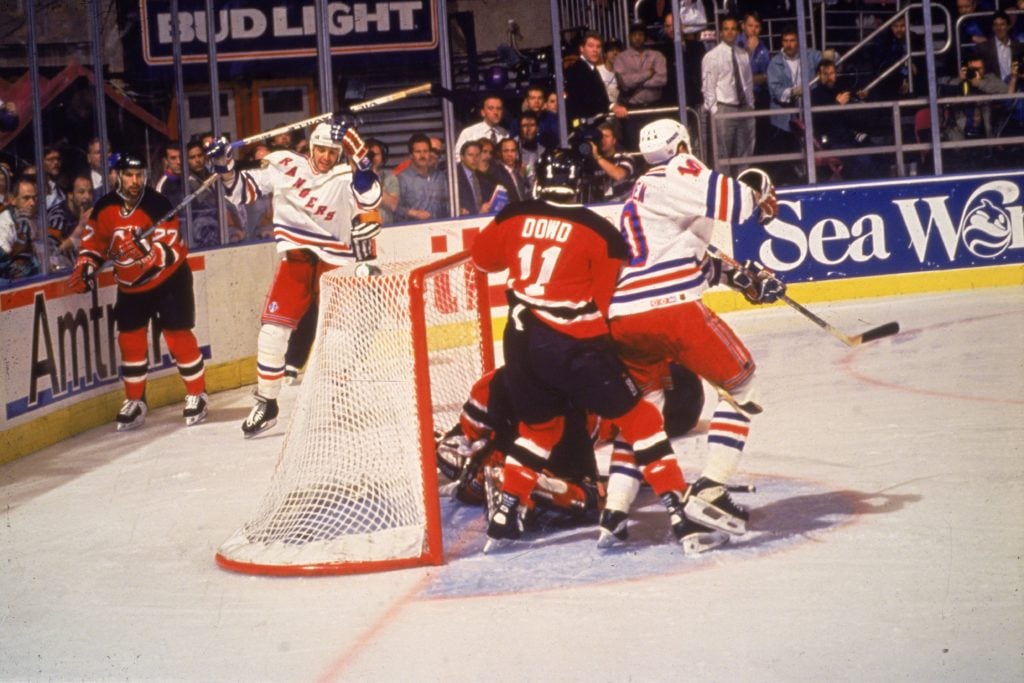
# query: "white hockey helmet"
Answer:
x=321 y=137
x=660 y=140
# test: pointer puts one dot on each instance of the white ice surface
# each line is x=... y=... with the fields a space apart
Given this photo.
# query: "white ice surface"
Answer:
x=886 y=542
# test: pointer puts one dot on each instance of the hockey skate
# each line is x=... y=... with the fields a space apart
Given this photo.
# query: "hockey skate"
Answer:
x=613 y=528
x=697 y=538
x=131 y=415
x=505 y=524
x=709 y=503
x=195 y=408
x=262 y=417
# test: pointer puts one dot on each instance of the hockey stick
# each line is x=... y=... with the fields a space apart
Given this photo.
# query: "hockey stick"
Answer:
x=320 y=118
x=886 y=330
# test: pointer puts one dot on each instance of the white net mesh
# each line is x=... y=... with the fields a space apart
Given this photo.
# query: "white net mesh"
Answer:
x=349 y=486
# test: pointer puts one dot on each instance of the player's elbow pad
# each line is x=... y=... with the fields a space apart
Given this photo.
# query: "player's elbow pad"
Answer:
x=362 y=181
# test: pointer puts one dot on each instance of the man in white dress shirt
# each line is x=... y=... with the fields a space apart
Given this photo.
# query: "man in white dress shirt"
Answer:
x=728 y=87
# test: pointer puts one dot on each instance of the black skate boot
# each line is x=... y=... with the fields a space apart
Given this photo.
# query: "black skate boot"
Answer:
x=262 y=417
x=709 y=503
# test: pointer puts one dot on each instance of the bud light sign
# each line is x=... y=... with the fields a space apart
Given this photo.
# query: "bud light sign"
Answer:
x=856 y=230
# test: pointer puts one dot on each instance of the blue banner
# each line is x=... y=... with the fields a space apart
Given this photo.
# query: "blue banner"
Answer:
x=903 y=226
x=257 y=29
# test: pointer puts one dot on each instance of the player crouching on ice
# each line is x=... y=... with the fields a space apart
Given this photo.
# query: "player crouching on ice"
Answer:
x=323 y=218
x=570 y=489
x=154 y=281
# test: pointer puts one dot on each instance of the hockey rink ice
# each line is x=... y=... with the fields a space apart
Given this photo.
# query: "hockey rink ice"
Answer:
x=886 y=541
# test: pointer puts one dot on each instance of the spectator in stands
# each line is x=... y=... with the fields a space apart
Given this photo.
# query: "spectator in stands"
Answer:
x=422 y=187
x=785 y=84
x=439 y=159
x=1017 y=27
x=530 y=149
x=388 y=181
x=888 y=48
x=728 y=87
x=18 y=243
x=281 y=141
x=1001 y=51
x=972 y=31
x=9 y=119
x=65 y=223
x=204 y=231
x=508 y=171
x=612 y=49
x=693 y=21
x=642 y=74
x=615 y=172
x=973 y=120
x=474 y=188
x=836 y=129
x=94 y=155
x=52 y=166
x=535 y=102
x=6 y=185
x=492 y=110
x=759 y=56
x=585 y=95
x=169 y=183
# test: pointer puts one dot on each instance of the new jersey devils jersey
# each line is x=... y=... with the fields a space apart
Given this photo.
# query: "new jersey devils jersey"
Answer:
x=562 y=262
x=111 y=223
x=667 y=223
x=312 y=210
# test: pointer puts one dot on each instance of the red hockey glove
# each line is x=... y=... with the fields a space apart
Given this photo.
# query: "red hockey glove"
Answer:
x=343 y=132
x=83 y=277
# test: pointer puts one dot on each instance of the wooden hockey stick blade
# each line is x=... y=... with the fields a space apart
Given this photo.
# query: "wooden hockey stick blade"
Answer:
x=741 y=488
x=854 y=340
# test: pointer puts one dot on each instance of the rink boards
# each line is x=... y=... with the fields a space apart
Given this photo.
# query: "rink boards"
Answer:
x=834 y=242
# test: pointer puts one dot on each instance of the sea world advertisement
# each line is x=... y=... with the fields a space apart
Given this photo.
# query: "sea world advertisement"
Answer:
x=883 y=228
x=262 y=29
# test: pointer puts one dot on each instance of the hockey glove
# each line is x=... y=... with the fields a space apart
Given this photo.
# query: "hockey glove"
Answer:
x=366 y=226
x=764 y=192
x=83 y=277
x=129 y=247
x=758 y=284
x=344 y=133
x=221 y=153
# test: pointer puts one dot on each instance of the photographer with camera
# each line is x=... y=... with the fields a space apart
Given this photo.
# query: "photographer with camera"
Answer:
x=973 y=119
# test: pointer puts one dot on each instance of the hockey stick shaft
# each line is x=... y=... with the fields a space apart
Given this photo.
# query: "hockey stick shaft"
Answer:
x=885 y=330
x=185 y=201
x=320 y=118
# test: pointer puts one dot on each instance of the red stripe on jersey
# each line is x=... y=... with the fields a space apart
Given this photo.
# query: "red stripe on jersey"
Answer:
x=723 y=198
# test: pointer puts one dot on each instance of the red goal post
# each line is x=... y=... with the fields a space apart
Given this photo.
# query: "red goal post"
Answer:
x=355 y=488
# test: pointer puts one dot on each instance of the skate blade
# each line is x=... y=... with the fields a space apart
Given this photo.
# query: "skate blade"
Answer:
x=264 y=427
x=607 y=539
x=497 y=545
x=695 y=544
x=195 y=419
x=708 y=515
x=128 y=426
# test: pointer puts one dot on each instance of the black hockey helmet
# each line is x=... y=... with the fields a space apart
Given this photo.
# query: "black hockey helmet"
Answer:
x=559 y=175
x=124 y=161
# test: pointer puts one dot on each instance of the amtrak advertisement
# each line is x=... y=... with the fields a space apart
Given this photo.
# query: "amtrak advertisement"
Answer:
x=262 y=29
x=857 y=230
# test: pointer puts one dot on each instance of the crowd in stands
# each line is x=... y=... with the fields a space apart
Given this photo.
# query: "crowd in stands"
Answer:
x=732 y=68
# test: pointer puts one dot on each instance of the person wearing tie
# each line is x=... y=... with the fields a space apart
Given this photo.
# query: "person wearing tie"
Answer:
x=492 y=110
x=728 y=86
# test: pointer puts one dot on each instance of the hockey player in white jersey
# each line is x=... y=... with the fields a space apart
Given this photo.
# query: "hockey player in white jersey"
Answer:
x=323 y=218
x=657 y=317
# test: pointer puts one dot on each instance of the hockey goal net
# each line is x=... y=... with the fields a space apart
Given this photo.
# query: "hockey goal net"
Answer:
x=355 y=487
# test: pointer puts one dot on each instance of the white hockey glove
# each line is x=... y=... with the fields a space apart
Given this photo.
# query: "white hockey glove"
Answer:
x=221 y=154
x=757 y=283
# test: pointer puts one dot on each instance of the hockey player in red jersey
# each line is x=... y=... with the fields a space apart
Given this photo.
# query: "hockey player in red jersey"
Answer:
x=563 y=261
x=657 y=315
x=154 y=282
x=323 y=218
x=570 y=488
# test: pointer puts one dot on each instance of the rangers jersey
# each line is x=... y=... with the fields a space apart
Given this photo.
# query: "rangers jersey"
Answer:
x=111 y=223
x=562 y=262
x=311 y=210
x=667 y=223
